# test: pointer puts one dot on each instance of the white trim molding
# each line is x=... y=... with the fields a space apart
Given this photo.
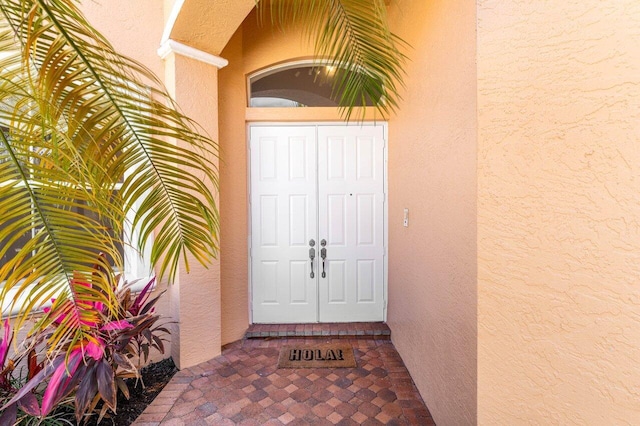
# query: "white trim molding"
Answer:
x=172 y=46
x=171 y=20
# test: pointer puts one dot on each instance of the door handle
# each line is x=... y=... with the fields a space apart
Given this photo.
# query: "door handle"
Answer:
x=323 y=255
x=312 y=255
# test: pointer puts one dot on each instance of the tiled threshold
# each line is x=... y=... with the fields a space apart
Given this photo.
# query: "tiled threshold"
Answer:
x=350 y=330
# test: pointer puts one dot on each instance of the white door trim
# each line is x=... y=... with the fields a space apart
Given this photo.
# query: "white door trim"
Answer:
x=385 y=128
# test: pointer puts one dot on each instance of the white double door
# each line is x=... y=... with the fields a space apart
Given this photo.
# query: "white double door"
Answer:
x=317 y=191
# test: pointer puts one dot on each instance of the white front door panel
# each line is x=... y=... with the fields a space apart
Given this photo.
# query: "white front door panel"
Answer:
x=351 y=206
x=283 y=220
x=317 y=183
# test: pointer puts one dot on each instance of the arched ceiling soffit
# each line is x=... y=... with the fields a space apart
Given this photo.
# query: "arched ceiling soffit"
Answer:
x=208 y=25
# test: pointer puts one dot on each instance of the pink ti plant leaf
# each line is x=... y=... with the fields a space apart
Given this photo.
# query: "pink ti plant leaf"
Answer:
x=142 y=298
x=35 y=381
x=5 y=370
x=94 y=349
x=8 y=415
x=29 y=404
x=116 y=325
x=87 y=390
x=79 y=311
x=59 y=381
x=106 y=384
x=5 y=342
x=67 y=375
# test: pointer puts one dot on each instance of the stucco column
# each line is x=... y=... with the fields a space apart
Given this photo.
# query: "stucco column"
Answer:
x=195 y=296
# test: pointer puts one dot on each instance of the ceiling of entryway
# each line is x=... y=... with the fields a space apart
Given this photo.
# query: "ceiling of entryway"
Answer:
x=208 y=25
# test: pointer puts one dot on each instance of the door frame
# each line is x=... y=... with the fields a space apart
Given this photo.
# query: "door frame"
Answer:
x=385 y=209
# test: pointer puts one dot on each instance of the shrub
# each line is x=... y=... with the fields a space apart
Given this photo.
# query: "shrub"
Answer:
x=93 y=369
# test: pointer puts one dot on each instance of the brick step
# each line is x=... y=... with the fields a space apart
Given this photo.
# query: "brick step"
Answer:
x=361 y=330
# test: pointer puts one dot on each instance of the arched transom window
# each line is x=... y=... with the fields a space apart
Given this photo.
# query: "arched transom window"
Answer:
x=297 y=84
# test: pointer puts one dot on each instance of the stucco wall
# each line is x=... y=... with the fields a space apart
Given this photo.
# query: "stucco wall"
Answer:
x=558 y=212
x=121 y=21
x=557 y=197
x=233 y=194
x=195 y=295
x=432 y=172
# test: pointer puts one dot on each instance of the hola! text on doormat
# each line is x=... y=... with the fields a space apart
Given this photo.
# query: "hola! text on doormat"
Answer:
x=328 y=355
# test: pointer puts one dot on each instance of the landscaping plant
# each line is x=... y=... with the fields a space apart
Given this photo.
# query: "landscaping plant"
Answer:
x=94 y=369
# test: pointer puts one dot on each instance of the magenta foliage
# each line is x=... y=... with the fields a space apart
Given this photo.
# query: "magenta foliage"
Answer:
x=116 y=325
x=5 y=370
x=5 y=342
x=60 y=381
x=84 y=313
x=142 y=298
x=4 y=351
x=95 y=366
x=22 y=398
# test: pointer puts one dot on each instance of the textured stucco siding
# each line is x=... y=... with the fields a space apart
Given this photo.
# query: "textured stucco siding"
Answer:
x=522 y=176
x=432 y=172
x=209 y=24
x=194 y=86
x=559 y=212
x=234 y=259
x=133 y=27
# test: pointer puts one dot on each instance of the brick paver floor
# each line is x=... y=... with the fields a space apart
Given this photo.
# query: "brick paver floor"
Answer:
x=244 y=386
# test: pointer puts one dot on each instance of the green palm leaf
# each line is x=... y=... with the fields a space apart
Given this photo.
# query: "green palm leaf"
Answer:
x=353 y=35
x=91 y=128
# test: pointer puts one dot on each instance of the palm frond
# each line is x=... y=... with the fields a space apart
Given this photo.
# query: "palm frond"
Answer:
x=91 y=128
x=42 y=184
x=353 y=35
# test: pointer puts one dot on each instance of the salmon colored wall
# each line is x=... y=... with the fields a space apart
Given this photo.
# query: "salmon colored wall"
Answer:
x=195 y=295
x=432 y=172
x=559 y=212
x=522 y=182
x=233 y=195
x=208 y=25
x=121 y=22
x=264 y=46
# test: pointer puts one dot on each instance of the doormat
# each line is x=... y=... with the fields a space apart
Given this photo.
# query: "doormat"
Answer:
x=328 y=355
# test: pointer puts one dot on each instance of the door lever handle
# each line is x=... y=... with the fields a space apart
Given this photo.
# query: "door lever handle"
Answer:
x=312 y=255
x=323 y=255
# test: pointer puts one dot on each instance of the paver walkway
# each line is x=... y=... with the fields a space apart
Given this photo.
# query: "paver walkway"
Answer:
x=243 y=386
